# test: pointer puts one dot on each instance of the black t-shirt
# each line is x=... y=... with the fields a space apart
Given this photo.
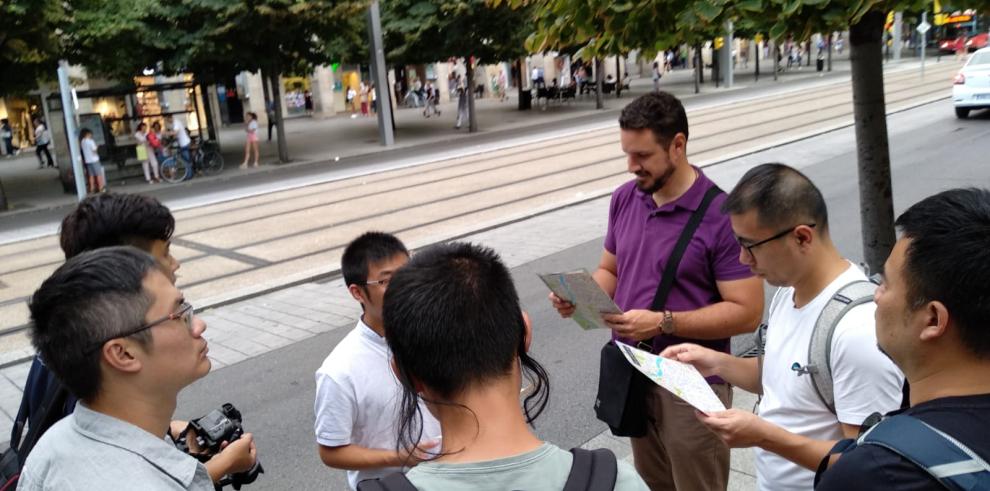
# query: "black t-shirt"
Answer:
x=872 y=467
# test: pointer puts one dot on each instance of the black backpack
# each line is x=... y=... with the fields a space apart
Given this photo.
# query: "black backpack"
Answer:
x=592 y=470
x=46 y=400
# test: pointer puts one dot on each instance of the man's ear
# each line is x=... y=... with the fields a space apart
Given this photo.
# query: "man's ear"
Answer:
x=529 y=330
x=804 y=234
x=357 y=293
x=119 y=354
x=936 y=321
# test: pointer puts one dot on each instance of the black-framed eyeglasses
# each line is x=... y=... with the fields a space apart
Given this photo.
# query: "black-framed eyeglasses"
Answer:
x=749 y=247
x=186 y=312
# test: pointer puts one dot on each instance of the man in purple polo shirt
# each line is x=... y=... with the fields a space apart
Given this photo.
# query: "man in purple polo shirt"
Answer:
x=713 y=297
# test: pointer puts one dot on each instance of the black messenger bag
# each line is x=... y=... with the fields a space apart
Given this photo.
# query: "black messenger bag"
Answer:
x=622 y=390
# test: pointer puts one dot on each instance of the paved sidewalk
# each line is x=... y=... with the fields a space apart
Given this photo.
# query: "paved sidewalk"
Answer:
x=339 y=138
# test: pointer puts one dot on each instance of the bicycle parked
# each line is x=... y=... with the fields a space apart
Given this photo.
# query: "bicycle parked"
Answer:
x=206 y=159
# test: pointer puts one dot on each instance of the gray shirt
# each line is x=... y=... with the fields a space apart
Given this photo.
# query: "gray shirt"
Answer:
x=89 y=450
x=543 y=469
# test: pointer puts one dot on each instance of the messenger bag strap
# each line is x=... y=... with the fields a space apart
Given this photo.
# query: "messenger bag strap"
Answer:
x=670 y=269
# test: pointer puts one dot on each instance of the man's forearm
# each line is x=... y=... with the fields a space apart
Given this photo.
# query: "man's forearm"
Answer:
x=606 y=280
x=741 y=372
x=716 y=321
x=801 y=450
x=354 y=457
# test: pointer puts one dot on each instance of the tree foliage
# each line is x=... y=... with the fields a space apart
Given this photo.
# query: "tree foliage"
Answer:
x=29 y=43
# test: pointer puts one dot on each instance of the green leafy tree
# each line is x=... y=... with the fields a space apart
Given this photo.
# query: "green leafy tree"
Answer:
x=424 y=31
x=29 y=43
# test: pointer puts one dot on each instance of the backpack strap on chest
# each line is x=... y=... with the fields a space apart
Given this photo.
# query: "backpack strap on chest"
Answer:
x=395 y=481
x=819 y=365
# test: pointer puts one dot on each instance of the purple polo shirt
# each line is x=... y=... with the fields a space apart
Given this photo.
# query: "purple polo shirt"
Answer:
x=642 y=237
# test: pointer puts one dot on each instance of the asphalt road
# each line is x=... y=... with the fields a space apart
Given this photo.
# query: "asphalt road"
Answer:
x=931 y=151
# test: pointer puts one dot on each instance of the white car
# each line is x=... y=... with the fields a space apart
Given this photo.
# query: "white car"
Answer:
x=971 y=88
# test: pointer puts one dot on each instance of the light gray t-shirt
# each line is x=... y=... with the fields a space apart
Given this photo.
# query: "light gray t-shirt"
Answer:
x=88 y=450
x=543 y=469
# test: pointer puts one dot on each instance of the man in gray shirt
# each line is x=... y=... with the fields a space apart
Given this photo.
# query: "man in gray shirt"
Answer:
x=122 y=338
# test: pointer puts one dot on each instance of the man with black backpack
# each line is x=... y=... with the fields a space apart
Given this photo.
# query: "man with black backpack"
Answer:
x=933 y=310
x=821 y=374
x=671 y=264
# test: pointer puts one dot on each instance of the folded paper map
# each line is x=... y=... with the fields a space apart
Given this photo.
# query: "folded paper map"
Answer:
x=681 y=379
x=580 y=289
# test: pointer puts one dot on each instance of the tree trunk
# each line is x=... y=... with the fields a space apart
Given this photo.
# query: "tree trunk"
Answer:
x=211 y=130
x=599 y=83
x=697 y=69
x=618 y=76
x=283 y=149
x=830 y=51
x=701 y=65
x=715 y=67
x=4 y=206
x=872 y=151
x=807 y=52
x=472 y=121
x=756 y=59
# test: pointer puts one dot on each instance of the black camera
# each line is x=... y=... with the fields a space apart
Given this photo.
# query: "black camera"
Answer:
x=223 y=425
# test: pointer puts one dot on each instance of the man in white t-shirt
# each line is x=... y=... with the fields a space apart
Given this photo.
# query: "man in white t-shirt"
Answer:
x=780 y=220
x=178 y=131
x=358 y=398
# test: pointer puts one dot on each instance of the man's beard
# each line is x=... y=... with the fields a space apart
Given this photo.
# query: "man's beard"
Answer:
x=657 y=184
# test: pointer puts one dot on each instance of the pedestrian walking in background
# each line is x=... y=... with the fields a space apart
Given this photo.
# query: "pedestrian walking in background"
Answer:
x=350 y=100
x=155 y=140
x=178 y=131
x=657 y=74
x=961 y=47
x=146 y=154
x=270 y=112
x=373 y=92
x=91 y=160
x=42 y=138
x=251 y=144
x=365 y=99
x=432 y=94
x=308 y=102
x=7 y=137
x=503 y=86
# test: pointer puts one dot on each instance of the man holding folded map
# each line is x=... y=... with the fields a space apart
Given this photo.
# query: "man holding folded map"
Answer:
x=713 y=296
x=780 y=220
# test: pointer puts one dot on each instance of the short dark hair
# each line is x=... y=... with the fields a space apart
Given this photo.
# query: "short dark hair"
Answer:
x=781 y=195
x=84 y=133
x=948 y=259
x=660 y=112
x=91 y=297
x=115 y=219
x=362 y=252
x=452 y=320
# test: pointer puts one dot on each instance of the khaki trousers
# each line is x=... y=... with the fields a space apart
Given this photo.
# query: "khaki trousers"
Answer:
x=679 y=453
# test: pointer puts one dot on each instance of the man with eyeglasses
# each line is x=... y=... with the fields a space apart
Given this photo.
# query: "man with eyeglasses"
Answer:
x=780 y=220
x=105 y=220
x=114 y=329
x=358 y=397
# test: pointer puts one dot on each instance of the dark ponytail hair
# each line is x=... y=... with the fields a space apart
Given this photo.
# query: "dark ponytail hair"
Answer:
x=453 y=320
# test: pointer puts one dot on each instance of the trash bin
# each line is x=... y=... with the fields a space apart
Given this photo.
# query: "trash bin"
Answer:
x=820 y=63
x=525 y=100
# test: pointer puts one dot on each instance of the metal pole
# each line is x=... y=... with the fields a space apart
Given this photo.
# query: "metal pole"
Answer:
x=69 y=110
x=379 y=73
x=924 y=43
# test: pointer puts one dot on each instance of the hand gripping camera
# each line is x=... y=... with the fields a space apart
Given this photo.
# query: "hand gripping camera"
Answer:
x=223 y=425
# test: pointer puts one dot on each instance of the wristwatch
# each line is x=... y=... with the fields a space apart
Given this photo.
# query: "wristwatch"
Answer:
x=667 y=323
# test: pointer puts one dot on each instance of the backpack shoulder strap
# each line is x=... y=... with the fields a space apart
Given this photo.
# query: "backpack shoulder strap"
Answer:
x=592 y=470
x=51 y=410
x=820 y=347
x=943 y=457
x=395 y=481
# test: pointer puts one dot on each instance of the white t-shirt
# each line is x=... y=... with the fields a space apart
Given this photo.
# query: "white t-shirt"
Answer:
x=864 y=379
x=252 y=127
x=358 y=397
x=180 y=133
x=89 y=151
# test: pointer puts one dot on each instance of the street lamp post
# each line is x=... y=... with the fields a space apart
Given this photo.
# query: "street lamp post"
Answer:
x=69 y=111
